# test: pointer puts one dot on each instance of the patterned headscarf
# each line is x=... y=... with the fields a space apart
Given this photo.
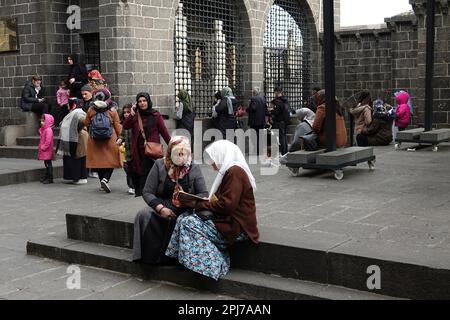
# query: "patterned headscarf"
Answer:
x=178 y=158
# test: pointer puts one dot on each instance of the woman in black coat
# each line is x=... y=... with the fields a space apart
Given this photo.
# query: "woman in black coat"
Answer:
x=225 y=111
x=77 y=77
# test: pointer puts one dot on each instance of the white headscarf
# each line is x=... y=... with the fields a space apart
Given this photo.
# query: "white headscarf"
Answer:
x=225 y=155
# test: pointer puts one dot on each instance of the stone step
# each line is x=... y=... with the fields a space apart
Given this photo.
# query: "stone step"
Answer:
x=20 y=152
x=237 y=283
x=32 y=141
x=302 y=255
x=27 y=173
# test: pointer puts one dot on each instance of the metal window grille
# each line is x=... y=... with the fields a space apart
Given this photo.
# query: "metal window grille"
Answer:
x=286 y=62
x=91 y=46
x=208 y=51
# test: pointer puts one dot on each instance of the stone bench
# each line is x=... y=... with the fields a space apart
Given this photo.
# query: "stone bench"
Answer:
x=303 y=156
x=344 y=156
x=436 y=136
x=409 y=135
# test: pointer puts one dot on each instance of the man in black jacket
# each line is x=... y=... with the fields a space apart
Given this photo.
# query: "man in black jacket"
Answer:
x=280 y=111
x=33 y=96
x=257 y=111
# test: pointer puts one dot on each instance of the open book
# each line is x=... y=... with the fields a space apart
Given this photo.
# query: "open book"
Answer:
x=184 y=196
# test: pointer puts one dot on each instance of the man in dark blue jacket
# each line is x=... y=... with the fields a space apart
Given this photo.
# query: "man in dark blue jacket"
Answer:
x=257 y=111
x=281 y=116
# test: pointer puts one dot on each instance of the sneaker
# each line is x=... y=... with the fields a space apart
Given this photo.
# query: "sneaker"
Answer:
x=131 y=191
x=81 y=181
x=266 y=163
x=93 y=174
x=105 y=186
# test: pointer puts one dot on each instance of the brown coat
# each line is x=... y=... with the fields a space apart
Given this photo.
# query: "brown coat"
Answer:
x=236 y=202
x=319 y=128
x=103 y=154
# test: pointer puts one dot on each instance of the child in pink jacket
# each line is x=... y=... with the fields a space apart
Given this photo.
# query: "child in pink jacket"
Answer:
x=45 y=150
x=403 y=111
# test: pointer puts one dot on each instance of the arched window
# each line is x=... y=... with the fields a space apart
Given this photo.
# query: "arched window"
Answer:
x=286 y=60
x=208 y=51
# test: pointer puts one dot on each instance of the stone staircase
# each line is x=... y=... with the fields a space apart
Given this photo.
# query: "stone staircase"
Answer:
x=285 y=265
x=21 y=141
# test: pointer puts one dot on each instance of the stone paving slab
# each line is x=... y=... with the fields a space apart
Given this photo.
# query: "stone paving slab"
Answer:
x=404 y=203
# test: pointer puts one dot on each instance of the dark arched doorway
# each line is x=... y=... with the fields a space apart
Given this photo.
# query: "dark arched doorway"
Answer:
x=287 y=52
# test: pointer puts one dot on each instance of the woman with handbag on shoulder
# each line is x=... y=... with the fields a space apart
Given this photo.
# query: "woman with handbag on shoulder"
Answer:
x=154 y=224
x=147 y=125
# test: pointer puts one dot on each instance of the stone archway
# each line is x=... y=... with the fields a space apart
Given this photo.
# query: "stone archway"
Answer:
x=290 y=50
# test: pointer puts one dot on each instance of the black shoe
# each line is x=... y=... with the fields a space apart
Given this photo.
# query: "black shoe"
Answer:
x=48 y=181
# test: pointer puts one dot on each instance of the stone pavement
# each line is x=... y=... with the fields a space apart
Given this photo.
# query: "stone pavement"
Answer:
x=399 y=211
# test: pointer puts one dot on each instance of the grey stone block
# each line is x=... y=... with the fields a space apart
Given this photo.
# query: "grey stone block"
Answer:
x=304 y=156
x=435 y=135
x=336 y=158
x=344 y=155
x=409 y=134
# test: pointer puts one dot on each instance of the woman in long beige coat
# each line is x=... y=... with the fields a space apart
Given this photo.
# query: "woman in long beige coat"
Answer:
x=103 y=155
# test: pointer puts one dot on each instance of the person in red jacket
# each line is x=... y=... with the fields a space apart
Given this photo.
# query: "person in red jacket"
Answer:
x=154 y=127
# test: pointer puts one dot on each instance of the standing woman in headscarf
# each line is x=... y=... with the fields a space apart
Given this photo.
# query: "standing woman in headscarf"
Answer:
x=185 y=113
x=74 y=167
x=154 y=225
x=154 y=127
x=77 y=76
x=225 y=111
x=200 y=241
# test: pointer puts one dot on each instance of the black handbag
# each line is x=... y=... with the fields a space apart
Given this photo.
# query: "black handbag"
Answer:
x=205 y=215
x=155 y=240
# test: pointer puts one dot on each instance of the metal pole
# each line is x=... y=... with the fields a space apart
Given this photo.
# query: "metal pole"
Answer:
x=328 y=41
x=429 y=66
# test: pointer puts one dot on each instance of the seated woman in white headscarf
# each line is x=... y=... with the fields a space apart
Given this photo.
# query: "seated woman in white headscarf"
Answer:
x=200 y=241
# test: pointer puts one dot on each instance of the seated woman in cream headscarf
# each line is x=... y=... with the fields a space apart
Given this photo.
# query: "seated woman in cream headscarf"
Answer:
x=153 y=225
x=200 y=241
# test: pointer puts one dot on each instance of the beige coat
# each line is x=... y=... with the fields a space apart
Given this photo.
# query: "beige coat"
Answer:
x=103 y=154
x=362 y=116
x=83 y=138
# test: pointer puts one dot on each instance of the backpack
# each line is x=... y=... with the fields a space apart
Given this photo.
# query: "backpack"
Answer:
x=101 y=128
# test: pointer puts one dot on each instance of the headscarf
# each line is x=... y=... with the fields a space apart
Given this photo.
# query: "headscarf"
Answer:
x=69 y=130
x=178 y=158
x=185 y=98
x=227 y=93
x=380 y=110
x=226 y=155
x=102 y=95
x=320 y=97
x=95 y=74
x=149 y=102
